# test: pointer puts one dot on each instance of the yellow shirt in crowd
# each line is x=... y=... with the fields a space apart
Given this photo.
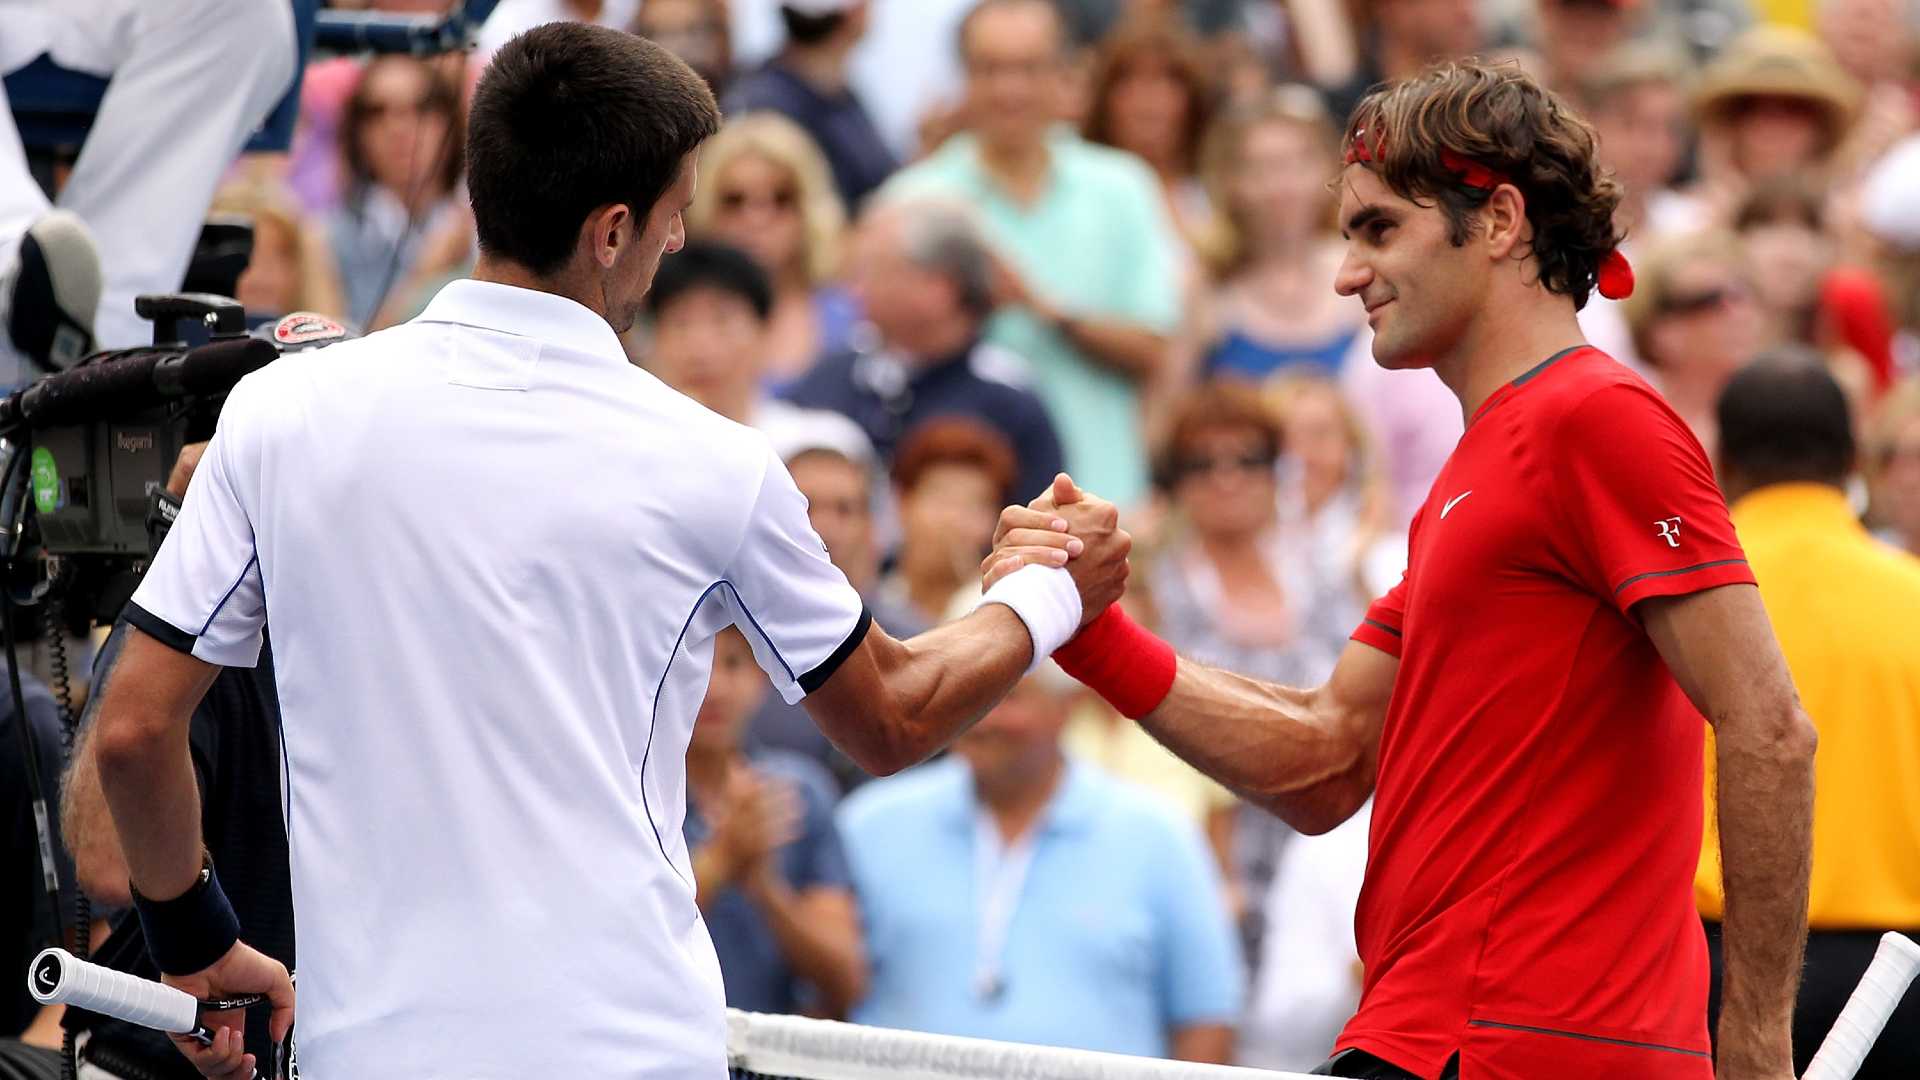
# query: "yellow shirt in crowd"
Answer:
x=1847 y=611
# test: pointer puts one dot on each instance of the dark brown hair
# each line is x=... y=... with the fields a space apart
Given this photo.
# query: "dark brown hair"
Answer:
x=442 y=99
x=955 y=440
x=1495 y=116
x=1212 y=406
x=1145 y=39
x=568 y=119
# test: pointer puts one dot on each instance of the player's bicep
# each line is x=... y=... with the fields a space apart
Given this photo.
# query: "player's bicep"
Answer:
x=204 y=595
x=1644 y=516
x=795 y=607
x=1720 y=646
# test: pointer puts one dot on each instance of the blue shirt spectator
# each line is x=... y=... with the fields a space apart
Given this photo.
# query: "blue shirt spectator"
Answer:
x=1100 y=924
x=769 y=873
x=756 y=972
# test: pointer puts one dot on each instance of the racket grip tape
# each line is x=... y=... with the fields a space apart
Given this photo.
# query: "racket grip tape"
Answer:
x=58 y=977
x=1845 y=1049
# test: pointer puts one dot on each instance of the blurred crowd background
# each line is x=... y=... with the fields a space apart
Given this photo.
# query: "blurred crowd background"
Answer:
x=944 y=249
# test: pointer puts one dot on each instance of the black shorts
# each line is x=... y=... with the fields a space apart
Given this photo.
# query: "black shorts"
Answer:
x=1364 y=1066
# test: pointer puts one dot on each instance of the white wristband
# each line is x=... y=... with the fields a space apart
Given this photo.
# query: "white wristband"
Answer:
x=1047 y=601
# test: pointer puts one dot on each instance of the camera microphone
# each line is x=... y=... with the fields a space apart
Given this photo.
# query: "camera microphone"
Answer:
x=133 y=379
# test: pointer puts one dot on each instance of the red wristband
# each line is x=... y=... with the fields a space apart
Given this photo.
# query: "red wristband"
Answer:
x=1121 y=661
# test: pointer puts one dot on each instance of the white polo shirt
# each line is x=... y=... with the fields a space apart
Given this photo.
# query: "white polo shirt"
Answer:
x=494 y=554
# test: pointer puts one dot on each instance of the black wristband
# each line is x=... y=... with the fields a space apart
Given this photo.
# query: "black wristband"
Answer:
x=189 y=932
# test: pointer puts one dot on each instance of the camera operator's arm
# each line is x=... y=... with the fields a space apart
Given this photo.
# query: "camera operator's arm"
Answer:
x=87 y=825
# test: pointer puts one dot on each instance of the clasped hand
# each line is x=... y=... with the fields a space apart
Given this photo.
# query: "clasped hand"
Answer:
x=1067 y=527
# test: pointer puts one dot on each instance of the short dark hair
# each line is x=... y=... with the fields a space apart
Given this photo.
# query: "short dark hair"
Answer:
x=965 y=28
x=805 y=29
x=1784 y=419
x=570 y=118
x=1498 y=117
x=705 y=265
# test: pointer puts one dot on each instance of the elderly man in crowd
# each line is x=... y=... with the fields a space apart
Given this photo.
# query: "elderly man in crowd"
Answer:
x=924 y=277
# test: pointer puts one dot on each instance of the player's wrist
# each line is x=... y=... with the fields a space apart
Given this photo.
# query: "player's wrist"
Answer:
x=192 y=931
x=1046 y=599
x=1121 y=661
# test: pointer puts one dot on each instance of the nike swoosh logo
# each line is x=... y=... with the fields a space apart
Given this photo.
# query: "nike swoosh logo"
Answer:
x=1453 y=502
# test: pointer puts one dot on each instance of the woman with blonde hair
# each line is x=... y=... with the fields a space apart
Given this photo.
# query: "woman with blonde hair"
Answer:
x=765 y=188
x=1272 y=307
x=1893 y=466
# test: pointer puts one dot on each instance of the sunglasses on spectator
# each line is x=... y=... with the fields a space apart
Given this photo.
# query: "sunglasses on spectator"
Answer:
x=1257 y=462
x=375 y=109
x=781 y=199
x=1692 y=303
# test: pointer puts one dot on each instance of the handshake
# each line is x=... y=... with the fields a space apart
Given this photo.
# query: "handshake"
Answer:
x=1075 y=618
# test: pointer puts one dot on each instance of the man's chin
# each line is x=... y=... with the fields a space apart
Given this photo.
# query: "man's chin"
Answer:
x=1396 y=358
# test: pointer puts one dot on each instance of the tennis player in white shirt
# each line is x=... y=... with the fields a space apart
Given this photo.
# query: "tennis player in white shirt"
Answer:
x=495 y=554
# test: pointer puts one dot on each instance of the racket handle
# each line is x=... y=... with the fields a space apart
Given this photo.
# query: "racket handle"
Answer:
x=1894 y=965
x=56 y=976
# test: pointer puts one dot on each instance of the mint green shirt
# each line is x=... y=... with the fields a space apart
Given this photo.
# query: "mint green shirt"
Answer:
x=1098 y=242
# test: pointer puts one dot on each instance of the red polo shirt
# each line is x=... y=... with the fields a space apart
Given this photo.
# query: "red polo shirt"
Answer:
x=1528 y=899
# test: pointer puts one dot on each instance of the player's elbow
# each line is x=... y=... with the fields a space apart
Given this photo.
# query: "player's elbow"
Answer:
x=126 y=738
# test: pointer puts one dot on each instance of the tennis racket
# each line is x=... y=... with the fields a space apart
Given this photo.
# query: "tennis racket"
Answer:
x=1894 y=965
x=57 y=977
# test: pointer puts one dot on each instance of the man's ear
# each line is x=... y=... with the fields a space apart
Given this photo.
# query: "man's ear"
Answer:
x=1505 y=219
x=607 y=233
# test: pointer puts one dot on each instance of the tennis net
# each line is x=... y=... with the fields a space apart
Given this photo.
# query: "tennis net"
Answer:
x=763 y=1047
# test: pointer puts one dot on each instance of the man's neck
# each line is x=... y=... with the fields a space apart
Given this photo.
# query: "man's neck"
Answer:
x=1019 y=167
x=939 y=342
x=1016 y=806
x=736 y=403
x=1507 y=340
x=502 y=272
x=823 y=67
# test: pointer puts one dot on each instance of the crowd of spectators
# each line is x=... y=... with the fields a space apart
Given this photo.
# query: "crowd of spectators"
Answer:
x=944 y=249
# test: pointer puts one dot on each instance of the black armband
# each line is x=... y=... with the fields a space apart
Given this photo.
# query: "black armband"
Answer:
x=189 y=932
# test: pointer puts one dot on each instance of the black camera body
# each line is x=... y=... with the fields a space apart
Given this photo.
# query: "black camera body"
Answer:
x=97 y=443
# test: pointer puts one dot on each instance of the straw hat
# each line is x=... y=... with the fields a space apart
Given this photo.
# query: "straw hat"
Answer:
x=1779 y=61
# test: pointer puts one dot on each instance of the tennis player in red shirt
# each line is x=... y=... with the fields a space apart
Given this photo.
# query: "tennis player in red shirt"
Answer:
x=1525 y=707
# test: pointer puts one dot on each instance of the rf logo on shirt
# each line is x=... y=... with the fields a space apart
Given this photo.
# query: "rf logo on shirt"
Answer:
x=1669 y=530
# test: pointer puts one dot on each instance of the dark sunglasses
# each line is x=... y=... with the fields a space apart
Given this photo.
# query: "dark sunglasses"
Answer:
x=782 y=199
x=1704 y=300
x=1188 y=467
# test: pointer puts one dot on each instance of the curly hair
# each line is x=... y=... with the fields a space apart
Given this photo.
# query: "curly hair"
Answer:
x=1455 y=132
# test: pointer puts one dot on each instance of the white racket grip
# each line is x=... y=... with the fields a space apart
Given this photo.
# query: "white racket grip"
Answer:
x=56 y=976
x=1894 y=965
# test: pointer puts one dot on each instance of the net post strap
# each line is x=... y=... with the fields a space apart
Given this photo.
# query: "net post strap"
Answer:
x=800 y=1048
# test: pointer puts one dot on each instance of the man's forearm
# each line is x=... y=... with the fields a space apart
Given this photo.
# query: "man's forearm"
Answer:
x=1209 y=1044
x=928 y=689
x=87 y=826
x=1307 y=756
x=148 y=782
x=1126 y=348
x=1765 y=799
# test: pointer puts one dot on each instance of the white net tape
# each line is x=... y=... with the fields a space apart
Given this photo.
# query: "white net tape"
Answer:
x=763 y=1047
